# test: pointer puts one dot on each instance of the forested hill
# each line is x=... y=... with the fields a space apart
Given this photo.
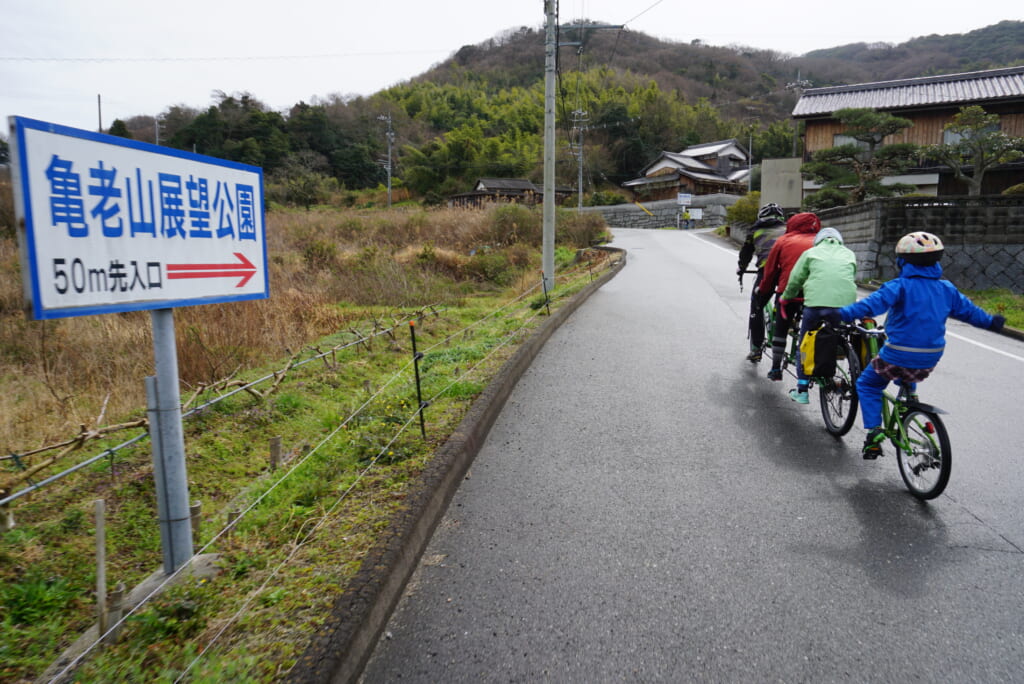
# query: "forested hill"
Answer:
x=480 y=112
x=735 y=79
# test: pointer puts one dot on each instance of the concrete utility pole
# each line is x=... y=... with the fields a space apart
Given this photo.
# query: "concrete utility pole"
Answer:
x=550 y=57
x=391 y=139
x=798 y=86
x=579 y=120
x=550 y=65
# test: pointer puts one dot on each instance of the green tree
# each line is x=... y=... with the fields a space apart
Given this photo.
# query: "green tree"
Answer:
x=745 y=209
x=979 y=146
x=120 y=129
x=855 y=170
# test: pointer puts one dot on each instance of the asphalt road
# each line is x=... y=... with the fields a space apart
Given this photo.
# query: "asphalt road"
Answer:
x=649 y=507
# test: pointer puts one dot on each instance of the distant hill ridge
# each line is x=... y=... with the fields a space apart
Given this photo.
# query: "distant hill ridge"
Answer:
x=736 y=79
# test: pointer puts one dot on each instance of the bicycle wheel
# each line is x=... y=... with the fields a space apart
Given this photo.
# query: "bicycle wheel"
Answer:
x=838 y=393
x=926 y=460
x=768 y=314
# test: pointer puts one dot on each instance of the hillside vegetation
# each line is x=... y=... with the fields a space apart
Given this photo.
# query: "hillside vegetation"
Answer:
x=480 y=114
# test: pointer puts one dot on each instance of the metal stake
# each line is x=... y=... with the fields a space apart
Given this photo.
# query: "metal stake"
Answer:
x=416 y=356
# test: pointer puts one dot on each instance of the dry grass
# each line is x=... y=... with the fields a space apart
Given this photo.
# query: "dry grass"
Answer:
x=59 y=375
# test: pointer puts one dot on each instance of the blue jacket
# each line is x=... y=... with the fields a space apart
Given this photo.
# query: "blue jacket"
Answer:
x=917 y=304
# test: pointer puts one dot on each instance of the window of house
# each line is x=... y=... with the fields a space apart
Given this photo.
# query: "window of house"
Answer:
x=839 y=140
x=952 y=137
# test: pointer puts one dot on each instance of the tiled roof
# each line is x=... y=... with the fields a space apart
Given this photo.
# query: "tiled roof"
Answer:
x=506 y=184
x=951 y=89
x=685 y=161
x=708 y=148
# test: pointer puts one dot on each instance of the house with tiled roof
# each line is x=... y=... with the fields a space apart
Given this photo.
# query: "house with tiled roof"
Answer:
x=929 y=102
x=705 y=169
x=516 y=190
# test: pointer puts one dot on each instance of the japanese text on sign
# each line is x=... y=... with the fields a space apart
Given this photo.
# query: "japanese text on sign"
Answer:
x=115 y=225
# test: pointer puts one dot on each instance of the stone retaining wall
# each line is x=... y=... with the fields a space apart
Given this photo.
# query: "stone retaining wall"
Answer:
x=983 y=236
x=665 y=213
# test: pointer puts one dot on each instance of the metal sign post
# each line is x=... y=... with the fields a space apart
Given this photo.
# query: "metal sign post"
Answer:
x=108 y=225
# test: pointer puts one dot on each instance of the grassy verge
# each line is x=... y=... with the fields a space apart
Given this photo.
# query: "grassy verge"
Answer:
x=1001 y=301
x=352 y=448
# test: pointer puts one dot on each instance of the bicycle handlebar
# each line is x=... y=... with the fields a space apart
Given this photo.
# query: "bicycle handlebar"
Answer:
x=740 y=275
x=877 y=331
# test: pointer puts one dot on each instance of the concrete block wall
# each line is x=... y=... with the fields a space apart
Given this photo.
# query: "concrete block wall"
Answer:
x=983 y=237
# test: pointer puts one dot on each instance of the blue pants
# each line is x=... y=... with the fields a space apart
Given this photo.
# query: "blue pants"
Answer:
x=869 y=392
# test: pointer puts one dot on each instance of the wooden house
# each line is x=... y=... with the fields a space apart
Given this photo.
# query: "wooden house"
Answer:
x=517 y=190
x=706 y=169
x=930 y=103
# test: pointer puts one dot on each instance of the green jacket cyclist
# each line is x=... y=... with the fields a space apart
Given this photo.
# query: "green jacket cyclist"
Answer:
x=825 y=274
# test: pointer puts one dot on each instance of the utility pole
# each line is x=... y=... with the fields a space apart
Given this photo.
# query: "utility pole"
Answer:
x=551 y=45
x=550 y=57
x=390 y=135
x=798 y=86
x=579 y=120
x=99 y=110
x=750 y=157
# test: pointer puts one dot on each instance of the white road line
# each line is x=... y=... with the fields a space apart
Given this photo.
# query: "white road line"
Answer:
x=985 y=346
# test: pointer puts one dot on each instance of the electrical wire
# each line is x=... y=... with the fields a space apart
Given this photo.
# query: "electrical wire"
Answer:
x=221 y=58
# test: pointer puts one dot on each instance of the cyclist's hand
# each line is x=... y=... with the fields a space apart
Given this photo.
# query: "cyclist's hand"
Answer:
x=998 y=322
x=739 y=271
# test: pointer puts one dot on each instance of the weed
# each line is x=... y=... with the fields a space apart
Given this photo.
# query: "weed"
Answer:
x=35 y=597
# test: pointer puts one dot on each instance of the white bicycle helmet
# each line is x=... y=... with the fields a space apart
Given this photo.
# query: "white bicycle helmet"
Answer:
x=920 y=248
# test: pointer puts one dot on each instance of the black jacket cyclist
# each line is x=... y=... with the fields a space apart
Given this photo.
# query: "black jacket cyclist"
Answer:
x=770 y=225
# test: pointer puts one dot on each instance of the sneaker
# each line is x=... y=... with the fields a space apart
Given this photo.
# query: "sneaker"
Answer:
x=775 y=374
x=799 y=396
x=754 y=356
x=873 y=443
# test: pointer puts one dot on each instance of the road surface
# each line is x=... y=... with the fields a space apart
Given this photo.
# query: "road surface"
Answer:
x=649 y=507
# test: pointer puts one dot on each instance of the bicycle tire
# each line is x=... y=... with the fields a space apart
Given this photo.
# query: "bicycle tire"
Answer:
x=926 y=461
x=768 y=315
x=838 y=393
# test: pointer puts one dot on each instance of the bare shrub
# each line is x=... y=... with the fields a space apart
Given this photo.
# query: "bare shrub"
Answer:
x=59 y=375
x=579 y=230
x=7 y=218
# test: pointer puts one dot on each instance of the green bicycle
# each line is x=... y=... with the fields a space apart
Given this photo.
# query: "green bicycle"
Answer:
x=837 y=393
x=915 y=429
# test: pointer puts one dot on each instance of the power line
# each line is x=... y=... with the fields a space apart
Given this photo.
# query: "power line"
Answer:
x=222 y=58
x=645 y=11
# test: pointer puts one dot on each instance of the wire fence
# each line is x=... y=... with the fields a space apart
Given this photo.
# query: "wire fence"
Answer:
x=228 y=386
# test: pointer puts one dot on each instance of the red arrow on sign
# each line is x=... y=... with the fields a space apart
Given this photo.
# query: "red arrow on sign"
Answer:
x=244 y=269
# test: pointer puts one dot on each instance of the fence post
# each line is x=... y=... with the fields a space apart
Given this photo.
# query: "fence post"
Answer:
x=194 y=512
x=275 y=452
x=101 y=565
x=232 y=517
x=115 y=613
x=416 y=356
x=6 y=518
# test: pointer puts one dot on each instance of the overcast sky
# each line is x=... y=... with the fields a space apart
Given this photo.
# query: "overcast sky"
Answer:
x=56 y=56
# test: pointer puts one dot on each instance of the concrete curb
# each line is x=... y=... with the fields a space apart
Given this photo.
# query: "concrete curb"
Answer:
x=344 y=644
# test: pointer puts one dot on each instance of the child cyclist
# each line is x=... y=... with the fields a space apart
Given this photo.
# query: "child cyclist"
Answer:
x=917 y=303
